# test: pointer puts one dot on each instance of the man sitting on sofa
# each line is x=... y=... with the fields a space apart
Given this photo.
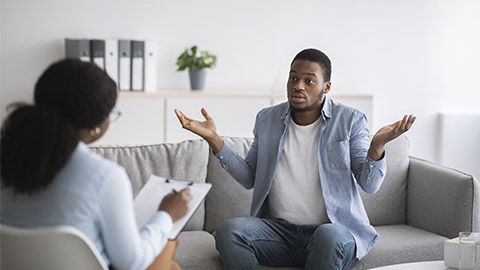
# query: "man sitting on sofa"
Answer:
x=306 y=210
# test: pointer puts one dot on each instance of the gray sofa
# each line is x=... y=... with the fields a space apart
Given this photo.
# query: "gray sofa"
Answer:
x=418 y=207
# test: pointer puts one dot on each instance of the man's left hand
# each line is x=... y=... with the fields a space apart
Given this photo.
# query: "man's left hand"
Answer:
x=387 y=134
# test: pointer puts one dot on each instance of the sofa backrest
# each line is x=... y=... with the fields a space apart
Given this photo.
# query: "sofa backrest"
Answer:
x=186 y=160
x=192 y=160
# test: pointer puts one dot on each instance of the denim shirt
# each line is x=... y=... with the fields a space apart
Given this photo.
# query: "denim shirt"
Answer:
x=344 y=140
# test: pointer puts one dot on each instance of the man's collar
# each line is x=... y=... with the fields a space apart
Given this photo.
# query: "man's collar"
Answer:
x=287 y=111
x=327 y=107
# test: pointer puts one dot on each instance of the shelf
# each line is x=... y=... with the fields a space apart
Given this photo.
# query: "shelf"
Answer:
x=225 y=94
x=149 y=118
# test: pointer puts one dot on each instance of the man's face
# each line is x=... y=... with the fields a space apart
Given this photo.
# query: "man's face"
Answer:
x=305 y=87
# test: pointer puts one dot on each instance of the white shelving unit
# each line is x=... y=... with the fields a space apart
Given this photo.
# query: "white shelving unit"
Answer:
x=149 y=118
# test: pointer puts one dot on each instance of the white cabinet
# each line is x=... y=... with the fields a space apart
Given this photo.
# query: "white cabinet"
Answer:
x=149 y=118
x=233 y=116
x=141 y=122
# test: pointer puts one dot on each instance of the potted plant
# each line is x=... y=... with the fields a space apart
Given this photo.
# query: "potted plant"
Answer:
x=196 y=62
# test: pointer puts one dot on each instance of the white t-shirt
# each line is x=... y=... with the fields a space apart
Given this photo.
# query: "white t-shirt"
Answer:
x=296 y=193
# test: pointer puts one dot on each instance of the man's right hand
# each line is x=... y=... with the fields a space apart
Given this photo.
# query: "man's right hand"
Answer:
x=176 y=204
x=205 y=129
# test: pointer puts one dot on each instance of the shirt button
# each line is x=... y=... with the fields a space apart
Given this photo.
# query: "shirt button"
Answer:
x=221 y=157
x=371 y=166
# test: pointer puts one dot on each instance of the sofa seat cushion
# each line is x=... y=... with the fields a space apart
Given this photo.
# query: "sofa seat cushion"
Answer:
x=197 y=251
x=396 y=244
x=401 y=244
x=186 y=160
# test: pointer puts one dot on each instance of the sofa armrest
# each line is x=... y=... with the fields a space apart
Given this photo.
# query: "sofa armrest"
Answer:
x=442 y=200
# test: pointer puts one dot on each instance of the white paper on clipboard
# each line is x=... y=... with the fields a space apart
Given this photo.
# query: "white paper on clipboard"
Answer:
x=148 y=199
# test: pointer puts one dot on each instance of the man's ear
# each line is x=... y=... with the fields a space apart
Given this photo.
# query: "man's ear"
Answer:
x=327 y=87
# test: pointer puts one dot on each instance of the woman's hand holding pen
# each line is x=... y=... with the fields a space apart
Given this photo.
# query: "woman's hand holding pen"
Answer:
x=176 y=203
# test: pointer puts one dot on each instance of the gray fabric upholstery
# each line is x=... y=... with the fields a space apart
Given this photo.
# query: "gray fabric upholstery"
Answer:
x=219 y=205
x=397 y=244
x=476 y=206
x=401 y=244
x=388 y=205
x=197 y=251
x=440 y=200
x=186 y=160
x=417 y=206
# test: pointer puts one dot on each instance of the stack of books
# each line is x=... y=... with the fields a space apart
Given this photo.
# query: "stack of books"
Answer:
x=130 y=63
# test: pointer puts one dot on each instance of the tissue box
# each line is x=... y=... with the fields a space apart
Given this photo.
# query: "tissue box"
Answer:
x=451 y=250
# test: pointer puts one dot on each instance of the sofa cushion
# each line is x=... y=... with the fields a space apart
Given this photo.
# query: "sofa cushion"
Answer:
x=197 y=251
x=402 y=244
x=396 y=244
x=186 y=160
x=227 y=198
x=388 y=205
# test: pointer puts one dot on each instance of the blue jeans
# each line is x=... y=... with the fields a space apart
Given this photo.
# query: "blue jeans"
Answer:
x=248 y=242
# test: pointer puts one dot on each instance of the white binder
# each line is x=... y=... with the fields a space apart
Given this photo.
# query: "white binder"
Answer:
x=124 y=65
x=150 y=70
x=111 y=59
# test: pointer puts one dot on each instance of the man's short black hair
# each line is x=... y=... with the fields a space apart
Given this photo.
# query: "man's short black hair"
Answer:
x=319 y=57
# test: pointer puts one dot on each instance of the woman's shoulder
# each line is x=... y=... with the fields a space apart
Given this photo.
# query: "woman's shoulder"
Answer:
x=95 y=160
x=91 y=167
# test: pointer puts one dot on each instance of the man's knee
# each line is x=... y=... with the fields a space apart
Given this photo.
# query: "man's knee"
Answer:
x=228 y=226
x=230 y=230
x=332 y=235
x=332 y=246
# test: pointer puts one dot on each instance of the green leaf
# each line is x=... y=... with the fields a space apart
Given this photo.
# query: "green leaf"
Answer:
x=192 y=59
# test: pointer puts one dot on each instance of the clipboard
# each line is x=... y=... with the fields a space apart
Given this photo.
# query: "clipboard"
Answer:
x=148 y=199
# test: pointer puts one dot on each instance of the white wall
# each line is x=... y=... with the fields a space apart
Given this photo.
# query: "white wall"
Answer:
x=454 y=154
x=413 y=56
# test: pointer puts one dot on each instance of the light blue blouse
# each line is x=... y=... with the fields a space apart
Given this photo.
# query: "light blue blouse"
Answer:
x=94 y=195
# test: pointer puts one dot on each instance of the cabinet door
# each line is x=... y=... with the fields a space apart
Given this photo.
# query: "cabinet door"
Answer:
x=141 y=122
x=233 y=116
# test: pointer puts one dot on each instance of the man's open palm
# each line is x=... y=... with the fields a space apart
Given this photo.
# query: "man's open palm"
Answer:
x=203 y=129
x=392 y=131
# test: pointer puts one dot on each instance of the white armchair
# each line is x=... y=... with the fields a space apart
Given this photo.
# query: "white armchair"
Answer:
x=55 y=248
